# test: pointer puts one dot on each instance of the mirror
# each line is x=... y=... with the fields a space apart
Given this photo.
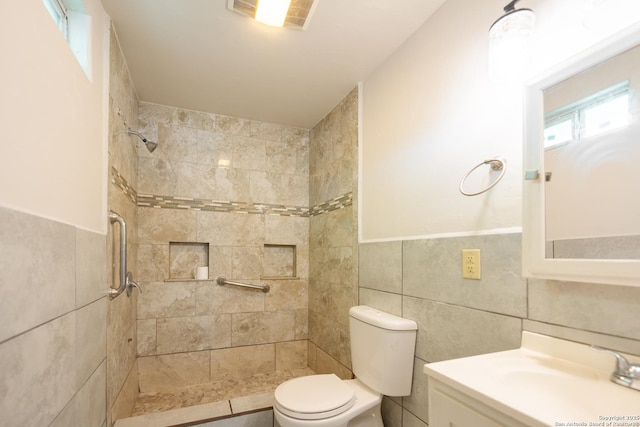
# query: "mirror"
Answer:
x=582 y=165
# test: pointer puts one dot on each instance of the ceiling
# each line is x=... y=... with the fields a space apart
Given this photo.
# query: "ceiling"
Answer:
x=198 y=55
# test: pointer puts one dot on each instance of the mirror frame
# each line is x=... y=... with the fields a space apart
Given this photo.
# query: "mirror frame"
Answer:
x=534 y=263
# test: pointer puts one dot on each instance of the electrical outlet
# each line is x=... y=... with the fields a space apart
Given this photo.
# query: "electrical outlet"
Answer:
x=471 y=267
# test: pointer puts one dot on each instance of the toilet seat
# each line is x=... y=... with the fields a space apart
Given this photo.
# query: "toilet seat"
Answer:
x=314 y=397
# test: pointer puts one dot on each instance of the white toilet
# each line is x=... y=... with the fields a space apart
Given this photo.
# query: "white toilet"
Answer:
x=382 y=347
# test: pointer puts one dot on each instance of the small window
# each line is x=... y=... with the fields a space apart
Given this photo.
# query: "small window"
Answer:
x=58 y=12
x=601 y=112
x=558 y=133
x=609 y=115
x=74 y=23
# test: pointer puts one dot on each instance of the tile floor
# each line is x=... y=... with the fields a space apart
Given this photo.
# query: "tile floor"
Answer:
x=204 y=402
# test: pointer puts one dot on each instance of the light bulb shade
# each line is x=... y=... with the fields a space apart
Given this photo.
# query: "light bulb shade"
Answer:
x=272 y=12
x=509 y=45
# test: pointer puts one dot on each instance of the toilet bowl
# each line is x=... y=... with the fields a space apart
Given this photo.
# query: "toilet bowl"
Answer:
x=326 y=401
x=382 y=349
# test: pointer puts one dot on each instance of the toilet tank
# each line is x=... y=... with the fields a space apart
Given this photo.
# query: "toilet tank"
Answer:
x=382 y=348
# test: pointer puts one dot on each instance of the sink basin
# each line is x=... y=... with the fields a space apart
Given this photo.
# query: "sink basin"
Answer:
x=541 y=373
x=546 y=382
x=542 y=379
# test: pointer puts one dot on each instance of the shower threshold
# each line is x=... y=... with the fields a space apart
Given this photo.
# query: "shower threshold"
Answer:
x=203 y=404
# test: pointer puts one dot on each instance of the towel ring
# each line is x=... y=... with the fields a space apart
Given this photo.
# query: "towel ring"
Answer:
x=497 y=164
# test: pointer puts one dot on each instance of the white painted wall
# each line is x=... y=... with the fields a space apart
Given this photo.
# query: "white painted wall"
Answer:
x=430 y=114
x=52 y=118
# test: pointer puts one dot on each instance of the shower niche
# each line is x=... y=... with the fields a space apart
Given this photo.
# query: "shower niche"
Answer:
x=279 y=262
x=185 y=258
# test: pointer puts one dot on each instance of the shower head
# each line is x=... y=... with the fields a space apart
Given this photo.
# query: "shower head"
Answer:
x=150 y=144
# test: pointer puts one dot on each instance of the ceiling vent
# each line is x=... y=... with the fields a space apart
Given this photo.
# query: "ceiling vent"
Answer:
x=298 y=15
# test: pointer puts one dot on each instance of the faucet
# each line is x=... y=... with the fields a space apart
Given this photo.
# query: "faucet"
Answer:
x=625 y=373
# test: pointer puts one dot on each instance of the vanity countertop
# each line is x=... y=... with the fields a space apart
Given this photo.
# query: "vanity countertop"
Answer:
x=546 y=382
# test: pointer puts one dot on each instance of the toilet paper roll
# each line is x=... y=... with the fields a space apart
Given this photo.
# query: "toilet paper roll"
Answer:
x=201 y=273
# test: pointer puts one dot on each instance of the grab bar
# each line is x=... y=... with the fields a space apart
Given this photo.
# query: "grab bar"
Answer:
x=221 y=280
x=126 y=278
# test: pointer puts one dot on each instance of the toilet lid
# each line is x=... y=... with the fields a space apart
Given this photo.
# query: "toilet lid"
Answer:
x=314 y=397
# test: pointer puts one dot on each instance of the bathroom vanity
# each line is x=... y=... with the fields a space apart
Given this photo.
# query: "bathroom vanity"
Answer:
x=546 y=382
x=579 y=225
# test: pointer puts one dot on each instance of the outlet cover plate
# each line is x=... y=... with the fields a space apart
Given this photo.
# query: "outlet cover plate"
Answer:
x=471 y=265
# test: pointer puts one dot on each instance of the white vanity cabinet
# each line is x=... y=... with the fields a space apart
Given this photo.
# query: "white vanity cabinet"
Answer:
x=449 y=407
x=546 y=382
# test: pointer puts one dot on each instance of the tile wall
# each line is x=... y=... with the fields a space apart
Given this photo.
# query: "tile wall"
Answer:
x=122 y=378
x=67 y=352
x=231 y=194
x=333 y=279
x=421 y=280
x=53 y=315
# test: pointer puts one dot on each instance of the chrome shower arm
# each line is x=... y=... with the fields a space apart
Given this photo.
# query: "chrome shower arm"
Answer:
x=138 y=134
x=149 y=144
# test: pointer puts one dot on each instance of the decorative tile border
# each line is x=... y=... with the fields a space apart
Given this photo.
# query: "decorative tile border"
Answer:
x=170 y=202
x=120 y=182
x=333 y=204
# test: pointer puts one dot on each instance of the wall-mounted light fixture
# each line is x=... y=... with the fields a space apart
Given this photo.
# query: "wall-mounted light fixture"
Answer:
x=508 y=43
x=277 y=13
